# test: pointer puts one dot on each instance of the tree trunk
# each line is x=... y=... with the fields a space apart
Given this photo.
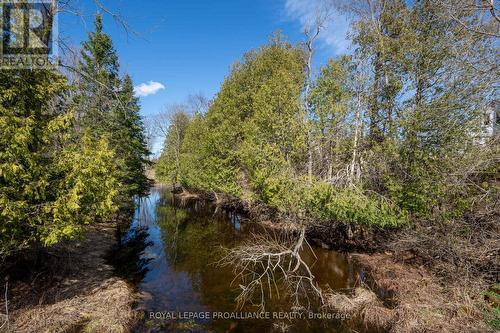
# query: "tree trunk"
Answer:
x=374 y=105
x=307 y=112
x=354 y=174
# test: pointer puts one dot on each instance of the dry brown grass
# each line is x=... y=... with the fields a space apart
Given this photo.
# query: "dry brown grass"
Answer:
x=103 y=310
x=364 y=306
x=76 y=292
x=354 y=304
x=379 y=317
x=465 y=248
x=422 y=303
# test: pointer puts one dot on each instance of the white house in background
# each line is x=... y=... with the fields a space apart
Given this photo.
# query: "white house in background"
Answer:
x=490 y=126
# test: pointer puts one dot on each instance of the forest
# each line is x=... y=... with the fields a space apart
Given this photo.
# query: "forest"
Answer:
x=390 y=139
x=73 y=153
x=385 y=136
x=72 y=147
x=389 y=153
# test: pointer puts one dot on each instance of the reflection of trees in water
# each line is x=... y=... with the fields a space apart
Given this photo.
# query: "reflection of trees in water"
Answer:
x=145 y=211
x=127 y=256
x=333 y=270
x=193 y=234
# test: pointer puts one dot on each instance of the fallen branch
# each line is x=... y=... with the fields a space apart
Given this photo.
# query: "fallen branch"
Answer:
x=267 y=266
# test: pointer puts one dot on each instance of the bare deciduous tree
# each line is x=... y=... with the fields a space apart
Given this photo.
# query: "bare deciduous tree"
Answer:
x=477 y=16
x=198 y=103
x=170 y=125
x=150 y=132
x=312 y=31
x=359 y=87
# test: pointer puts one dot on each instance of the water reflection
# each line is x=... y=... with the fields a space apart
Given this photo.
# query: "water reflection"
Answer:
x=187 y=239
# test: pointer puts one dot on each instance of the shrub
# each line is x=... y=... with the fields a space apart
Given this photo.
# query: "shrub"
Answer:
x=351 y=205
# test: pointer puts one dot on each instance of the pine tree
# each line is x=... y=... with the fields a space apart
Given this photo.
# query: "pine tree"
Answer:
x=99 y=81
x=129 y=140
x=47 y=193
x=61 y=162
x=108 y=107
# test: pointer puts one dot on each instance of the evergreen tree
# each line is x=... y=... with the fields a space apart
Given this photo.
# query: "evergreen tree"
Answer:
x=99 y=82
x=108 y=107
x=50 y=186
x=252 y=135
x=63 y=159
x=129 y=140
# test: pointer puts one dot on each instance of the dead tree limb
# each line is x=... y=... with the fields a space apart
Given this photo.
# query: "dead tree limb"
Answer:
x=268 y=266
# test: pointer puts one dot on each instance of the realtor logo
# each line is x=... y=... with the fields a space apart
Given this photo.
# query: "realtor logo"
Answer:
x=27 y=33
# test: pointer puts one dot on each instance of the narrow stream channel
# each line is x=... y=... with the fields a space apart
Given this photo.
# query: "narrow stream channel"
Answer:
x=186 y=241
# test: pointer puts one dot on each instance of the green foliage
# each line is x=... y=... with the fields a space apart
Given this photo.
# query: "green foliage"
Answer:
x=389 y=133
x=271 y=177
x=330 y=95
x=258 y=108
x=330 y=90
x=128 y=140
x=67 y=161
x=253 y=138
x=108 y=108
x=87 y=191
x=423 y=107
x=99 y=81
x=193 y=172
x=493 y=317
x=351 y=205
x=168 y=166
x=46 y=181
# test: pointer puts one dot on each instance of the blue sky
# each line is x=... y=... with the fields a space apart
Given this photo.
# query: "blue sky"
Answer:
x=188 y=46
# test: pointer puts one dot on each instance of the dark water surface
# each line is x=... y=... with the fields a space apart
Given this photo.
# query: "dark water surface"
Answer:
x=182 y=275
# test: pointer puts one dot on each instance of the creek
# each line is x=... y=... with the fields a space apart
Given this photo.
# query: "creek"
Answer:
x=183 y=288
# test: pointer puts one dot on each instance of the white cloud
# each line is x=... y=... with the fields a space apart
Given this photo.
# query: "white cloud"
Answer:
x=146 y=89
x=334 y=34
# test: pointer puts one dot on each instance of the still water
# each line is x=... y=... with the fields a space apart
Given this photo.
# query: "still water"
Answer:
x=186 y=240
